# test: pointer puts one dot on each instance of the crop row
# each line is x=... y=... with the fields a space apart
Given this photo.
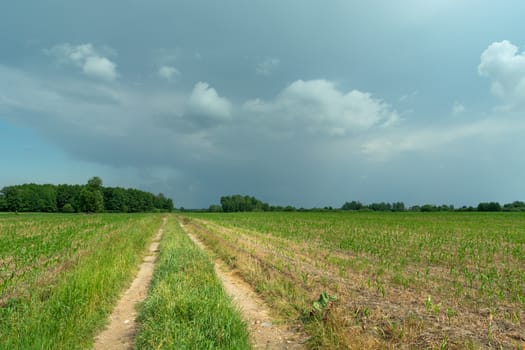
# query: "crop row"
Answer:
x=461 y=277
x=485 y=251
x=62 y=274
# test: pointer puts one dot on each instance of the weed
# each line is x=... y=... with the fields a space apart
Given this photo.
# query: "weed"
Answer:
x=444 y=343
x=321 y=307
x=428 y=303
x=451 y=313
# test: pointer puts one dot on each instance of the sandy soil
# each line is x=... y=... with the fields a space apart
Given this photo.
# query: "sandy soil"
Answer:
x=120 y=333
x=264 y=332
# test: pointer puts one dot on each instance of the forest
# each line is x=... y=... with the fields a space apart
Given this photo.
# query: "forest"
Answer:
x=92 y=197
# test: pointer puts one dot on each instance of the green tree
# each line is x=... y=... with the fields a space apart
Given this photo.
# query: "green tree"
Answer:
x=489 y=206
x=3 y=202
x=30 y=197
x=68 y=208
x=115 y=199
x=353 y=205
x=214 y=208
x=51 y=198
x=428 y=208
x=91 y=201
x=95 y=183
x=242 y=203
x=91 y=197
x=415 y=208
x=69 y=194
x=47 y=198
x=514 y=206
x=398 y=206
x=380 y=206
x=289 y=208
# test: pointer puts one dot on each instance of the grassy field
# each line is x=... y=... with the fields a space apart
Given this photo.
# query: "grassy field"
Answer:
x=353 y=279
x=60 y=274
x=415 y=280
x=187 y=307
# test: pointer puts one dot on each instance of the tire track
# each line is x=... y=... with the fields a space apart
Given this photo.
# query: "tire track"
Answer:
x=122 y=328
x=264 y=332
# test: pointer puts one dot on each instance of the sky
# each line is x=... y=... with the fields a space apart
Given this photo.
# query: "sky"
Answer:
x=298 y=102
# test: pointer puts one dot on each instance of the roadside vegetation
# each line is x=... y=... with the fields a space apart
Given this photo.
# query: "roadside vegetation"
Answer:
x=60 y=275
x=186 y=307
x=376 y=280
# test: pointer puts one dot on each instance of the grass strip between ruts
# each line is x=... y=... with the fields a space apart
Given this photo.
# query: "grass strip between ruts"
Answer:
x=187 y=307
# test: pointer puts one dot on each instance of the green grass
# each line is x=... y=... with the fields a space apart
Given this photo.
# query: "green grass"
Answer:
x=187 y=307
x=396 y=275
x=414 y=280
x=487 y=250
x=62 y=274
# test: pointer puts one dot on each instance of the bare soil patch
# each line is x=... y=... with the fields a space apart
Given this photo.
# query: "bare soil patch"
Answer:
x=122 y=328
x=265 y=332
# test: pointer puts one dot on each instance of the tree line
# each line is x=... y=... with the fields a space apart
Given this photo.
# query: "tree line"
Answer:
x=240 y=203
x=400 y=206
x=90 y=198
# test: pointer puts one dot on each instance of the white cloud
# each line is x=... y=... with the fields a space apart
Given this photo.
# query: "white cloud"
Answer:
x=505 y=66
x=267 y=66
x=317 y=106
x=168 y=72
x=100 y=67
x=458 y=108
x=205 y=103
x=87 y=58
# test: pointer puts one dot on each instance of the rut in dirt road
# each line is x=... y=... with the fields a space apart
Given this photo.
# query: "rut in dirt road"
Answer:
x=120 y=333
x=264 y=333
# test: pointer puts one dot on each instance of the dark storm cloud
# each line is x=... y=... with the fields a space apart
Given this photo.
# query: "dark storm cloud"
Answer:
x=296 y=102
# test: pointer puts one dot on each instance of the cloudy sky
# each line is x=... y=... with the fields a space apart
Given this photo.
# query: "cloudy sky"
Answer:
x=301 y=102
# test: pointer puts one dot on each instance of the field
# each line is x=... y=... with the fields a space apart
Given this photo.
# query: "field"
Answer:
x=348 y=279
x=414 y=280
x=60 y=275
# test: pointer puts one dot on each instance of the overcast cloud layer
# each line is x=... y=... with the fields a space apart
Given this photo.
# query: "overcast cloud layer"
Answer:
x=302 y=103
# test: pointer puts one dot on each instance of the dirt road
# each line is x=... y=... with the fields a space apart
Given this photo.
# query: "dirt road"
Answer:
x=120 y=333
x=264 y=332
